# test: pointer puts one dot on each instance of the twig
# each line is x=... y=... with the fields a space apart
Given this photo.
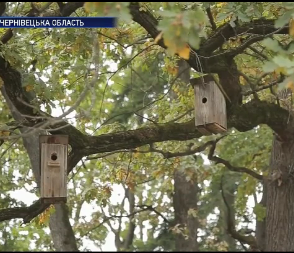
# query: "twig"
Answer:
x=247 y=93
x=252 y=86
x=151 y=103
x=181 y=116
x=231 y=227
x=152 y=121
x=250 y=41
x=96 y=58
x=151 y=208
x=217 y=160
x=121 y=67
x=258 y=53
x=209 y=14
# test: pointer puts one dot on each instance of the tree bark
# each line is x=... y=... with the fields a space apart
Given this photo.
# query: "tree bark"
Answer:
x=185 y=193
x=61 y=229
x=185 y=198
x=280 y=199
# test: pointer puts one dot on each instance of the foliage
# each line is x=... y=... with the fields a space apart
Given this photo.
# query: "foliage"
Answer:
x=137 y=87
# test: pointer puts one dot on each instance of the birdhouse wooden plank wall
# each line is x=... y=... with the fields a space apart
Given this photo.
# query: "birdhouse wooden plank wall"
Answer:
x=53 y=154
x=210 y=106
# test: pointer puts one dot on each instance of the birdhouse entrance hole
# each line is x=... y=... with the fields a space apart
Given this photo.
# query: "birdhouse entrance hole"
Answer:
x=204 y=100
x=54 y=157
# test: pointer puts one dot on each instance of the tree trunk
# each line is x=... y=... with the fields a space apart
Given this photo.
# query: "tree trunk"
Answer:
x=185 y=193
x=61 y=229
x=280 y=199
x=185 y=198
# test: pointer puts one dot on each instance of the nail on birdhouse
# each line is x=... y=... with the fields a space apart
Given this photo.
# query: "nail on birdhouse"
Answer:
x=210 y=106
x=53 y=152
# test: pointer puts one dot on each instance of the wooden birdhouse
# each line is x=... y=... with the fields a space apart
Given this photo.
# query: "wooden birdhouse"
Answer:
x=53 y=152
x=210 y=106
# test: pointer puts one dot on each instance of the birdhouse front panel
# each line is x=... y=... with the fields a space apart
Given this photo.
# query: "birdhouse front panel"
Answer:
x=53 y=171
x=210 y=108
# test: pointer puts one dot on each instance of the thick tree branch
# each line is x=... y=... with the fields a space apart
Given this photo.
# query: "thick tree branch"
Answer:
x=202 y=60
x=226 y=31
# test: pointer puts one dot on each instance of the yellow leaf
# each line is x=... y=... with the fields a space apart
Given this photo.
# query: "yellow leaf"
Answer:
x=291 y=28
x=89 y=6
x=107 y=189
x=131 y=185
x=280 y=70
x=158 y=37
x=172 y=70
x=157 y=173
x=121 y=174
x=184 y=52
x=242 y=80
x=29 y=87
x=290 y=85
x=4 y=133
x=178 y=31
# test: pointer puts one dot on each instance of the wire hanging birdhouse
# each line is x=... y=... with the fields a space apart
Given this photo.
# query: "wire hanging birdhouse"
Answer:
x=210 y=106
x=53 y=152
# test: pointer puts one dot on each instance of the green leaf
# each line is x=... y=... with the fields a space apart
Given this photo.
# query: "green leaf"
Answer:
x=283 y=61
x=284 y=19
x=272 y=45
x=269 y=67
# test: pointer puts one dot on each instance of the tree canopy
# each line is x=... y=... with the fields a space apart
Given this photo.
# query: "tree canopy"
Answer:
x=140 y=174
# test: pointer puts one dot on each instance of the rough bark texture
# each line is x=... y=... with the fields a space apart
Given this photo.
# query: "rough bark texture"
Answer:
x=184 y=199
x=280 y=201
x=61 y=229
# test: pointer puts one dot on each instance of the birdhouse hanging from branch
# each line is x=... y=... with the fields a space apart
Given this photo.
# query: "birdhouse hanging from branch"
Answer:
x=53 y=151
x=210 y=106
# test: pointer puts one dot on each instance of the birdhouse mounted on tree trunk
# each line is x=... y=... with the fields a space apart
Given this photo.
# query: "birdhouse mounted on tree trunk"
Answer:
x=53 y=152
x=210 y=106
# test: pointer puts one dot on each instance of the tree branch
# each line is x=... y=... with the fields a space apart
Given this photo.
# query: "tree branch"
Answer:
x=151 y=208
x=210 y=17
x=217 y=160
x=249 y=239
x=248 y=93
